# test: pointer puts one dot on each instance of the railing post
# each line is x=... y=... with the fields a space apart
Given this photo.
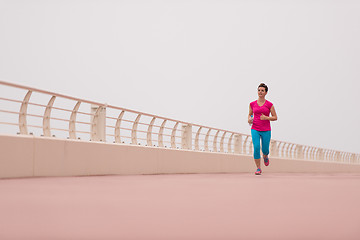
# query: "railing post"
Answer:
x=327 y=155
x=197 y=147
x=230 y=143
x=117 y=127
x=244 y=150
x=321 y=154
x=238 y=144
x=215 y=141
x=160 y=135
x=287 y=151
x=23 y=114
x=206 y=141
x=98 y=123
x=332 y=155
x=173 y=135
x=312 y=153
x=274 y=148
x=251 y=145
x=222 y=142
x=291 y=152
x=186 y=136
x=134 y=130
x=46 y=118
x=149 y=132
x=317 y=154
x=341 y=157
x=299 y=150
x=72 y=123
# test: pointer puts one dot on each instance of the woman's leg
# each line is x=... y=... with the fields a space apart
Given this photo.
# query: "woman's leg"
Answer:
x=256 y=142
x=265 y=142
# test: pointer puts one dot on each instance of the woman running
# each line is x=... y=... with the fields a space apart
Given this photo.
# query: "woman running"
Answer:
x=259 y=117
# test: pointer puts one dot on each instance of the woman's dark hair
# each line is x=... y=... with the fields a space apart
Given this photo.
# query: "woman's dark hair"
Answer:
x=264 y=86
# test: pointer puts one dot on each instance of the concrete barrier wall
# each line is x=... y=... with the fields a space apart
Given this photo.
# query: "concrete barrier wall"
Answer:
x=29 y=156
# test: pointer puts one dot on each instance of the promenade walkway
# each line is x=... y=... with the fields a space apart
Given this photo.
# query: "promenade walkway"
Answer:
x=183 y=207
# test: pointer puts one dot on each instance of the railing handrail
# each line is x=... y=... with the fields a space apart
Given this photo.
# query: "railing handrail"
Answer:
x=2 y=82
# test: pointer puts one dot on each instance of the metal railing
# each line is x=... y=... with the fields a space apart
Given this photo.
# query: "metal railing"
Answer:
x=26 y=110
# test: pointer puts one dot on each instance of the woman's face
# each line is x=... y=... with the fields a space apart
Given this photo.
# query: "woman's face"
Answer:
x=261 y=92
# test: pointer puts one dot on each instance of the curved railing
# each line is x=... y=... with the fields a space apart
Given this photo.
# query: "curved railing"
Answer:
x=26 y=110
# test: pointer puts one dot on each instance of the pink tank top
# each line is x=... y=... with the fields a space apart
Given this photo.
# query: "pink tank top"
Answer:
x=258 y=124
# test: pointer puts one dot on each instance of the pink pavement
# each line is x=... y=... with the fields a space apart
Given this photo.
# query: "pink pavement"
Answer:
x=184 y=206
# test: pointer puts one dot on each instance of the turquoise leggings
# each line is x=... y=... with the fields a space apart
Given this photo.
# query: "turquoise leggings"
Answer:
x=265 y=137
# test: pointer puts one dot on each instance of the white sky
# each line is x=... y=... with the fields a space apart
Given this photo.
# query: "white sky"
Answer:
x=197 y=61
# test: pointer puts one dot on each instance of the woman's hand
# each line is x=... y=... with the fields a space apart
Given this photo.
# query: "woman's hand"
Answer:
x=263 y=117
x=273 y=115
x=250 y=118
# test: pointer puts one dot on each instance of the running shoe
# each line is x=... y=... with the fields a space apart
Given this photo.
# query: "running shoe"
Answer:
x=258 y=171
x=266 y=160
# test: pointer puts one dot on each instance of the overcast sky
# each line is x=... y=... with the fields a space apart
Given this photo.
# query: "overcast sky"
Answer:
x=197 y=61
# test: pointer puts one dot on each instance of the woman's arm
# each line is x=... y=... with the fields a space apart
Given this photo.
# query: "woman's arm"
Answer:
x=273 y=115
x=250 y=119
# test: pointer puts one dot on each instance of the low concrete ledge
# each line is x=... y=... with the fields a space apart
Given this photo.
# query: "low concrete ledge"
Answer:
x=30 y=156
